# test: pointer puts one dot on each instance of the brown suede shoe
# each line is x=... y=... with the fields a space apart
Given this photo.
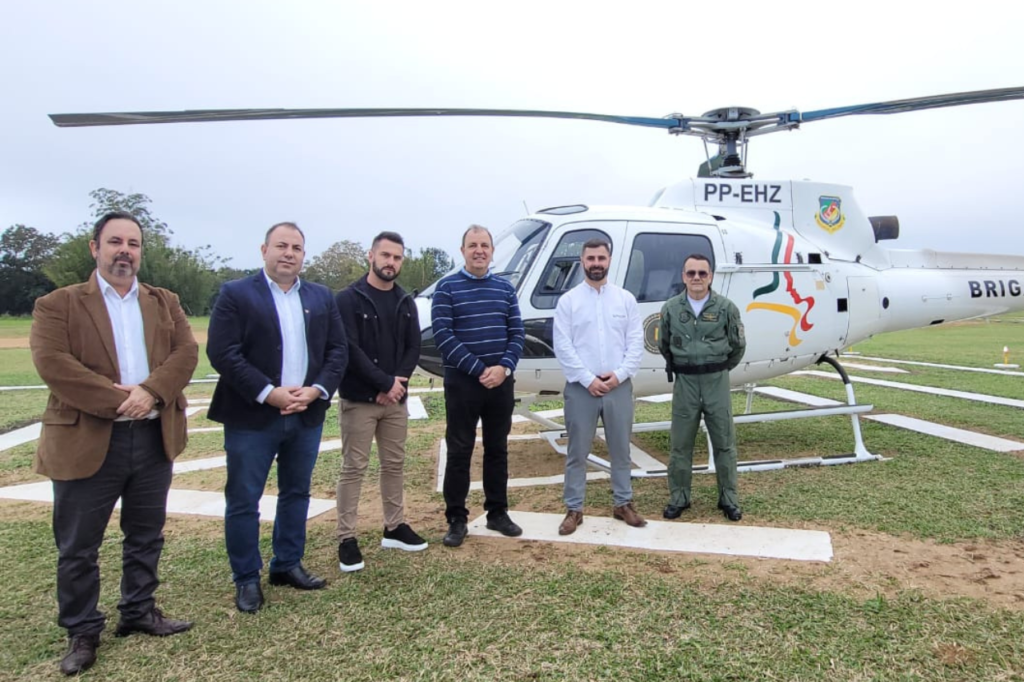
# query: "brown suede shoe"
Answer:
x=81 y=654
x=572 y=520
x=628 y=514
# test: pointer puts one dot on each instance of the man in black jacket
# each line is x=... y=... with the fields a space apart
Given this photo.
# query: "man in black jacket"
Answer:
x=384 y=347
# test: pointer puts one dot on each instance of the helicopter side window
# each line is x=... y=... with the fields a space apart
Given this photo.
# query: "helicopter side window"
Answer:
x=563 y=270
x=655 y=271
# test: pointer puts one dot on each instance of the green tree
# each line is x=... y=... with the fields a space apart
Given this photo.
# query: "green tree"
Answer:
x=338 y=266
x=23 y=253
x=419 y=272
x=190 y=273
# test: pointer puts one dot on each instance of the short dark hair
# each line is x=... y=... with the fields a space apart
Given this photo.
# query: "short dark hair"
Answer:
x=389 y=236
x=113 y=215
x=597 y=243
x=477 y=228
x=289 y=225
x=698 y=256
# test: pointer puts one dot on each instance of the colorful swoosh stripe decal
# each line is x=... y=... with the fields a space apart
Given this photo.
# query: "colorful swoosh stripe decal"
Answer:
x=799 y=320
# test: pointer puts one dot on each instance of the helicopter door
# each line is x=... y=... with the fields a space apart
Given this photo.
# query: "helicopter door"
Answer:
x=654 y=275
x=864 y=310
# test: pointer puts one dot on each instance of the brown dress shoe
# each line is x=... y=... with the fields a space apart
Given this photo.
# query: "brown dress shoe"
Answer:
x=153 y=623
x=81 y=654
x=572 y=520
x=628 y=514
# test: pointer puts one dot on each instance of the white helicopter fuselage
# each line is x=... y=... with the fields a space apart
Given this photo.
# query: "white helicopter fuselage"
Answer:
x=799 y=259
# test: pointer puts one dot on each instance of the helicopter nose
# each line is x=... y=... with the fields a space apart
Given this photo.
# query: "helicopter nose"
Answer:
x=430 y=358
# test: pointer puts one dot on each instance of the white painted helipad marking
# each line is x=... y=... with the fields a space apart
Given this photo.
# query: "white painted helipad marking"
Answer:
x=875 y=368
x=978 y=440
x=426 y=390
x=22 y=388
x=930 y=390
x=700 y=538
x=558 y=479
x=193 y=411
x=192 y=502
x=188 y=465
x=25 y=434
x=796 y=396
x=960 y=368
x=662 y=398
x=414 y=406
x=329 y=445
x=520 y=419
x=208 y=429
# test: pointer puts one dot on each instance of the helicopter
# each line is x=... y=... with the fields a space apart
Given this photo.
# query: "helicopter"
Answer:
x=805 y=265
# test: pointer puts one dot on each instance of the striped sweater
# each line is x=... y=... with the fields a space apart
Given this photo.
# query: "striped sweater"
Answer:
x=477 y=323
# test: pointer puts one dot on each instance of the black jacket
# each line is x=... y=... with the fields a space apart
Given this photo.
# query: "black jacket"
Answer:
x=364 y=378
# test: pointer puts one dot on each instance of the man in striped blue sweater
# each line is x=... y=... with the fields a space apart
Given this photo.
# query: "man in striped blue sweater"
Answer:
x=479 y=332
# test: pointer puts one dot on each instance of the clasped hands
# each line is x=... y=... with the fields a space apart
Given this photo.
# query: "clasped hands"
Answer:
x=493 y=376
x=139 y=402
x=394 y=394
x=292 y=399
x=602 y=385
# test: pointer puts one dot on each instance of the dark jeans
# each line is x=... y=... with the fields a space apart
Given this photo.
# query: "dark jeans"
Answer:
x=250 y=453
x=466 y=402
x=137 y=471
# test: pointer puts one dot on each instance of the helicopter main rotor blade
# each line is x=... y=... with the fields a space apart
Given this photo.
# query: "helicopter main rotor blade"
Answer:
x=898 y=106
x=208 y=115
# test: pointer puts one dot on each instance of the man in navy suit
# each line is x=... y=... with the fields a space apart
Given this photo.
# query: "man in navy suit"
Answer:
x=279 y=346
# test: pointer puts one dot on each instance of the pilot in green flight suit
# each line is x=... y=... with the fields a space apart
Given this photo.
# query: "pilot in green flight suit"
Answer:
x=701 y=338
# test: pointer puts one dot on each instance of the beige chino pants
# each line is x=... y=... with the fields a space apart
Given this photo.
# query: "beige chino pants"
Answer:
x=360 y=424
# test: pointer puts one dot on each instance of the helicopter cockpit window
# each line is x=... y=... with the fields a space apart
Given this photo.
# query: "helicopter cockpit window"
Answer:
x=516 y=248
x=655 y=271
x=563 y=271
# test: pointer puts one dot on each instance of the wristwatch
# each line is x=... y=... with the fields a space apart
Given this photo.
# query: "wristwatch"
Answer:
x=508 y=372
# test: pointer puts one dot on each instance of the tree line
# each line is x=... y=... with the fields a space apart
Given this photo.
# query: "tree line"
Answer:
x=33 y=263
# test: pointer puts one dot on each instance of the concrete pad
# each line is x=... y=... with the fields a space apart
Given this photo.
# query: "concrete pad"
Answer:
x=329 y=445
x=796 y=396
x=193 y=411
x=208 y=429
x=672 y=536
x=930 y=390
x=978 y=440
x=662 y=398
x=875 y=368
x=185 y=466
x=191 y=502
x=25 y=434
x=416 y=409
x=22 y=388
x=960 y=368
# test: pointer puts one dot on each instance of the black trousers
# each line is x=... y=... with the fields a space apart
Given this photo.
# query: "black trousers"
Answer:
x=467 y=402
x=137 y=471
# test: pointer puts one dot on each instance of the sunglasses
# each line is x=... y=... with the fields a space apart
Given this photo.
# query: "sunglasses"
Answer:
x=694 y=274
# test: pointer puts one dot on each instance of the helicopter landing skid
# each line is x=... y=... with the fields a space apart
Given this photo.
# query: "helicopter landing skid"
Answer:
x=646 y=466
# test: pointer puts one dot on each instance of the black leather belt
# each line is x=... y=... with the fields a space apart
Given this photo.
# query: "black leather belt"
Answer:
x=710 y=368
x=136 y=424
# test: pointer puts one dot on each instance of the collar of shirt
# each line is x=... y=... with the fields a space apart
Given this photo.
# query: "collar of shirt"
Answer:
x=107 y=288
x=274 y=285
x=469 y=274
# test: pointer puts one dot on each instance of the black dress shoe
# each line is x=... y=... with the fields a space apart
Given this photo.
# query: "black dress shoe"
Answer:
x=299 y=578
x=457 y=532
x=732 y=513
x=81 y=654
x=674 y=512
x=504 y=525
x=249 y=597
x=153 y=623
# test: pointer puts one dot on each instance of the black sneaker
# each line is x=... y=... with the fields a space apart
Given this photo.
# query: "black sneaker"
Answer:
x=349 y=557
x=457 y=532
x=504 y=525
x=403 y=537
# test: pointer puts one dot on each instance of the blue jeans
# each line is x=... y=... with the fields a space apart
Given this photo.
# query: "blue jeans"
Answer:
x=250 y=452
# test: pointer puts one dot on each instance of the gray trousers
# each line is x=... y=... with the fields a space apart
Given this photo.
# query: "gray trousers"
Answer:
x=581 y=413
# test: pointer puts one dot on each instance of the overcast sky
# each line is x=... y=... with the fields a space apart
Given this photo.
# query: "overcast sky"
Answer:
x=954 y=177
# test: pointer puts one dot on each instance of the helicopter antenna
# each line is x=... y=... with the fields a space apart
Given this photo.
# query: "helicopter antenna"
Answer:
x=525 y=207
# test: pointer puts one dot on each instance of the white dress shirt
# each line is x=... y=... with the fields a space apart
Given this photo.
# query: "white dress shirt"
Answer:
x=598 y=331
x=129 y=336
x=292 y=320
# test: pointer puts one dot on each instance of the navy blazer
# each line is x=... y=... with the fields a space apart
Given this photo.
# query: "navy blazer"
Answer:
x=244 y=346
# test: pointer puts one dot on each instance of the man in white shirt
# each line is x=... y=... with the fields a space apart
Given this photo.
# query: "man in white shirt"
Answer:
x=599 y=341
x=116 y=355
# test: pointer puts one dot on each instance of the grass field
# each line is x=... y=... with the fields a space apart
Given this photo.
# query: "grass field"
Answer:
x=927 y=581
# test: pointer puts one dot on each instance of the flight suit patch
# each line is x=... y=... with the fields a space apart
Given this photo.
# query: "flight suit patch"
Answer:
x=709 y=317
x=677 y=341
